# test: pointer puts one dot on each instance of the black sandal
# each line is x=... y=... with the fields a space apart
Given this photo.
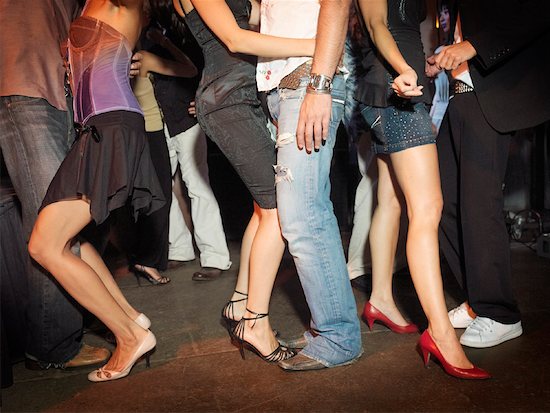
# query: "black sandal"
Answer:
x=279 y=354
x=140 y=271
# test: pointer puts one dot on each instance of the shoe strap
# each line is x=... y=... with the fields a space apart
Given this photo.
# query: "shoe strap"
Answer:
x=256 y=316
x=228 y=310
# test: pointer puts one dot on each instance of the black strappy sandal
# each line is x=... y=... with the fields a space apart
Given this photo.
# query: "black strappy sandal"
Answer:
x=140 y=271
x=279 y=354
x=228 y=313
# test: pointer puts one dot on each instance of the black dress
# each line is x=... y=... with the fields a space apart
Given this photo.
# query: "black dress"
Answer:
x=229 y=111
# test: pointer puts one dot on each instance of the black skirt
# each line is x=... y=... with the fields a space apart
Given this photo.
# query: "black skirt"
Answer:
x=109 y=165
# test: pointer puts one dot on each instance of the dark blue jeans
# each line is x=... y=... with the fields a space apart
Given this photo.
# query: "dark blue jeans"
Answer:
x=34 y=138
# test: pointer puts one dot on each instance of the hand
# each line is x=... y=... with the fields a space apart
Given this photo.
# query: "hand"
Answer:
x=431 y=69
x=313 y=123
x=405 y=85
x=452 y=56
x=192 y=109
x=135 y=66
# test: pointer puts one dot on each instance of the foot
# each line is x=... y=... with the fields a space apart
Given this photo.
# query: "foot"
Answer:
x=301 y=362
x=450 y=349
x=462 y=316
x=259 y=333
x=484 y=332
x=389 y=309
x=127 y=353
x=87 y=356
x=207 y=274
x=152 y=274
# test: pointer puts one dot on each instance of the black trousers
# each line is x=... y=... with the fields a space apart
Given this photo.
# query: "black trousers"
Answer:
x=473 y=235
x=151 y=243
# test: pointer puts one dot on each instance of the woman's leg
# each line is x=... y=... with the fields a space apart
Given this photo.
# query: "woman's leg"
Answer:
x=90 y=256
x=266 y=253
x=384 y=233
x=417 y=172
x=56 y=226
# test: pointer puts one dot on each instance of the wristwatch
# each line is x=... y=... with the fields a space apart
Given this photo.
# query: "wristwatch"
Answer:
x=319 y=84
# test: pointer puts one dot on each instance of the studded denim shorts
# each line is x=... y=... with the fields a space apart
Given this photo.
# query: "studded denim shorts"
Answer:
x=399 y=127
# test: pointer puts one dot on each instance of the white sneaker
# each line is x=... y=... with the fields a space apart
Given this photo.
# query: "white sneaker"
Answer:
x=460 y=317
x=484 y=332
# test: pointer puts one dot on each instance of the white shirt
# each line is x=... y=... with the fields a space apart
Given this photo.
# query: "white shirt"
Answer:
x=285 y=18
x=462 y=72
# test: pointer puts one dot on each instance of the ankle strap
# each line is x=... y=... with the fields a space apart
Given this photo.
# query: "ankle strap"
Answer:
x=245 y=294
x=257 y=316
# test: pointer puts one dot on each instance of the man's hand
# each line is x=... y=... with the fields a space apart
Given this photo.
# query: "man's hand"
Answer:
x=452 y=56
x=313 y=124
x=135 y=66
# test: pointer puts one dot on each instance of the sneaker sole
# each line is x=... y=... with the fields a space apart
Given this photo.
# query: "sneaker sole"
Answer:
x=509 y=336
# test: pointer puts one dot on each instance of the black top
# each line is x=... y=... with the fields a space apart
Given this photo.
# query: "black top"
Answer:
x=404 y=17
x=228 y=78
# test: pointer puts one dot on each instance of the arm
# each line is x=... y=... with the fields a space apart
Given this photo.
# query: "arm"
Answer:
x=313 y=124
x=218 y=17
x=375 y=15
x=157 y=37
x=254 y=20
x=152 y=63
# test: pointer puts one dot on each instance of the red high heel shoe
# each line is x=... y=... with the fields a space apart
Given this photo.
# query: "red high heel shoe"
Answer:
x=372 y=314
x=428 y=347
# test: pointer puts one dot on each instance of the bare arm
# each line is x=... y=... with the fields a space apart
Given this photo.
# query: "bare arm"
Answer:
x=150 y=62
x=375 y=15
x=218 y=17
x=156 y=36
x=313 y=124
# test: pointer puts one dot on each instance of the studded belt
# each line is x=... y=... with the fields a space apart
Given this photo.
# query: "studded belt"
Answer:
x=292 y=80
x=459 y=86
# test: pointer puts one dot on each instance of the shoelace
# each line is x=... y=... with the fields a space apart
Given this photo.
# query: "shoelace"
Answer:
x=482 y=324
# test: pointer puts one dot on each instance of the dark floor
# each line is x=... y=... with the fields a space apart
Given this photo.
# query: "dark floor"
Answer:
x=196 y=369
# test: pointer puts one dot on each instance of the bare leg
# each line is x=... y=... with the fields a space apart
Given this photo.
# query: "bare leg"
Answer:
x=90 y=256
x=56 y=226
x=417 y=171
x=384 y=233
x=265 y=257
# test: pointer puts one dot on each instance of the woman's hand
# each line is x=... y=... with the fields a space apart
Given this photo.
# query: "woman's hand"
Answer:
x=192 y=109
x=405 y=85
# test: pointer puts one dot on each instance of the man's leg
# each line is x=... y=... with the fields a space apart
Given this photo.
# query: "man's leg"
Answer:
x=35 y=137
x=180 y=240
x=207 y=222
x=483 y=159
x=310 y=227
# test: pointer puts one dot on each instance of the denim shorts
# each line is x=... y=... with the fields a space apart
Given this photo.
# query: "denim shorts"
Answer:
x=399 y=127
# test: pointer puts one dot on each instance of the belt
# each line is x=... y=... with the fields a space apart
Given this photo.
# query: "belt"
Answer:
x=292 y=80
x=458 y=86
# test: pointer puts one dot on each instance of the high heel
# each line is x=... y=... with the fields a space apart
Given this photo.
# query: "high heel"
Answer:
x=428 y=347
x=143 y=321
x=279 y=354
x=140 y=271
x=372 y=314
x=144 y=349
x=228 y=313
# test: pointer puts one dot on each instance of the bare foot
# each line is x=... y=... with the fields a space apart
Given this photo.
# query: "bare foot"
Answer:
x=260 y=334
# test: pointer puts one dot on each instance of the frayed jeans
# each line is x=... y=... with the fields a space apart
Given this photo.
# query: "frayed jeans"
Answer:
x=35 y=137
x=310 y=227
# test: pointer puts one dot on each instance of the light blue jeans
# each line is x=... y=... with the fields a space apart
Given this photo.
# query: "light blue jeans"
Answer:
x=310 y=227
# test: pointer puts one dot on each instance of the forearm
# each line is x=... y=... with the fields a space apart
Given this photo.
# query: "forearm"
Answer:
x=331 y=34
x=385 y=43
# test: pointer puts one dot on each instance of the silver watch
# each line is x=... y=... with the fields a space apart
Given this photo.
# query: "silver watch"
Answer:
x=319 y=84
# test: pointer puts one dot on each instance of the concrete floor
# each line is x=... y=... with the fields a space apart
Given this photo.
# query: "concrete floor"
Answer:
x=196 y=369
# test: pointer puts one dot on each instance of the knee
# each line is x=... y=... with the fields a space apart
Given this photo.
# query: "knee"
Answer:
x=38 y=248
x=389 y=205
x=428 y=212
